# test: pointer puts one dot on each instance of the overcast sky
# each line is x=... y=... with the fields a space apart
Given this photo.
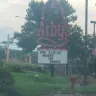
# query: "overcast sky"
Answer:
x=11 y=8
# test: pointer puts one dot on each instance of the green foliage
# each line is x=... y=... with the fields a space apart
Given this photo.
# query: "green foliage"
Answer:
x=33 y=67
x=6 y=79
x=1 y=63
x=21 y=67
x=6 y=82
x=17 y=54
x=2 y=54
x=76 y=43
x=14 y=67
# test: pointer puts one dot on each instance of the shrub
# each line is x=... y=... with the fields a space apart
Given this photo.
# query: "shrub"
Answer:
x=27 y=67
x=6 y=78
x=1 y=63
x=14 y=67
x=21 y=67
x=6 y=82
x=33 y=67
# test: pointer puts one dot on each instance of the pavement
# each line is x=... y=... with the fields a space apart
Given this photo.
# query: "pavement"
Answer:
x=71 y=94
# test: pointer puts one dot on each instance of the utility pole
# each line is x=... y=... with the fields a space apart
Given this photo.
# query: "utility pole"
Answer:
x=86 y=49
x=7 y=49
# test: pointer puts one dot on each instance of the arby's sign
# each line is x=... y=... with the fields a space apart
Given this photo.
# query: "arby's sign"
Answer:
x=53 y=35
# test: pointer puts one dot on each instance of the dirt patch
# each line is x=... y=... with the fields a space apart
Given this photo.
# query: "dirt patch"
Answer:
x=90 y=80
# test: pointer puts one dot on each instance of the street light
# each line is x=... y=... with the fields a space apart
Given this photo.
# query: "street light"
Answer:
x=94 y=45
x=93 y=22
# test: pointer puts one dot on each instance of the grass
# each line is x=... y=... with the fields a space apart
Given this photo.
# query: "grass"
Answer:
x=86 y=89
x=3 y=94
x=46 y=84
x=26 y=85
x=43 y=77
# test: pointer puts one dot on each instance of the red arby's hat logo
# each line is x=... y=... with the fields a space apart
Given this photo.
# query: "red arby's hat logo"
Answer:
x=51 y=34
x=94 y=52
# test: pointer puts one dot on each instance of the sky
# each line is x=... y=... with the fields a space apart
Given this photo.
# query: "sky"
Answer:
x=11 y=8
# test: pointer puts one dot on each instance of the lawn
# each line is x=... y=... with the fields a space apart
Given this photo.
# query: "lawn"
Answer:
x=1 y=94
x=25 y=84
x=86 y=89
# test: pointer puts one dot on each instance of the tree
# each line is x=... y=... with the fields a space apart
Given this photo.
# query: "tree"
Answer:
x=17 y=54
x=76 y=43
x=92 y=58
x=27 y=38
x=2 y=54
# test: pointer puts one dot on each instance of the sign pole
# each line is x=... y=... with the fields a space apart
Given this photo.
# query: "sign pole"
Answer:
x=52 y=69
x=29 y=59
x=65 y=69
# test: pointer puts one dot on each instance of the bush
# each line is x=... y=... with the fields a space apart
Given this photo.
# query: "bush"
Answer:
x=14 y=67
x=6 y=81
x=94 y=75
x=6 y=78
x=1 y=63
x=22 y=67
x=27 y=67
x=34 y=67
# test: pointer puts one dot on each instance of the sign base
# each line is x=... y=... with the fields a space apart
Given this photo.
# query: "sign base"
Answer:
x=52 y=70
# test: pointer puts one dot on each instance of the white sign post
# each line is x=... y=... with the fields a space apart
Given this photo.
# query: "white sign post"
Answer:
x=52 y=56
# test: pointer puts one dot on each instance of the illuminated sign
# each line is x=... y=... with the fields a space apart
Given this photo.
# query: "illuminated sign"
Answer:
x=53 y=35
